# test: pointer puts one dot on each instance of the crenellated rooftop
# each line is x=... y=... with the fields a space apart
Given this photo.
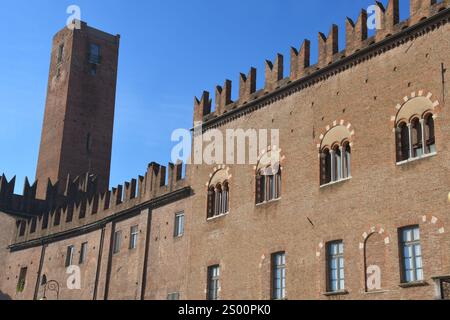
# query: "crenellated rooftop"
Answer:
x=328 y=54
x=80 y=205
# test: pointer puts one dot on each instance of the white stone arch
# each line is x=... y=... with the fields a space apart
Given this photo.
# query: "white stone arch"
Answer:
x=417 y=104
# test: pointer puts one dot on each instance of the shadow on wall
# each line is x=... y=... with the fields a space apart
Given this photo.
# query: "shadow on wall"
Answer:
x=4 y=296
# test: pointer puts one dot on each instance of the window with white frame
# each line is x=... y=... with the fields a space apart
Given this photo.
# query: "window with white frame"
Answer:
x=179 y=225
x=213 y=282
x=218 y=199
x=415 y=138
x=411 y=250
x=134 y=233
x=335 y=266
x=268 y=184
x=335 y=163
x=279 y=276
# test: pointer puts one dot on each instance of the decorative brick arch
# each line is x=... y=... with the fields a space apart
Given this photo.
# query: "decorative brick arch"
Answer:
x=220 y=174
x=433 y=220
x=415 y=105
x=271 y=155
x=338 y=132
x=320 y=247
x=374 y=251
x=376 y=229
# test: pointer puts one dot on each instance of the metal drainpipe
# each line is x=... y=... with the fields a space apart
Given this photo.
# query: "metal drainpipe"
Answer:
x=146 y=254
x=41 y=264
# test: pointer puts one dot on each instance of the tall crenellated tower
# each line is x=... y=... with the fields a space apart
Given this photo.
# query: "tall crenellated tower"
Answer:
x=79 y=113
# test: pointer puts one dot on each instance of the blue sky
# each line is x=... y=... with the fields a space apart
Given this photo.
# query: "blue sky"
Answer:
x=170 y=52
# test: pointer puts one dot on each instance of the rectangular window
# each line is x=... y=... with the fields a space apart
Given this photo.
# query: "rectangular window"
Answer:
x=83 y=252
x=213 y=282
x=69 y=255
x=412 y=267
x=94 y=54
x=60 y=53
x=117 y=242
x=134 y=232
x=22 y=279
x=279 y=276
x=173 y=296
x=179 y=224
x=335 y=266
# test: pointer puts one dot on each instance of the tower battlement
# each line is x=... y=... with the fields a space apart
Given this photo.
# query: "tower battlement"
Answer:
x=328 y=53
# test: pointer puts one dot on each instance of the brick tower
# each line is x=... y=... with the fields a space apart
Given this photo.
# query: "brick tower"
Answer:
x=79 y=112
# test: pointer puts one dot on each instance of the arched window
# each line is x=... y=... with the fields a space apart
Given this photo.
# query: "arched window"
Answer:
x=416 y=137
x=414 y=127
x=218 y=203
x=268 y=184
x=335 y=165
x=347 y=153
x=219 y=194
x=430 y=146
x=335 y=153
x=218 y=200
x=211 y=201
x=325 y=167
x=225 y=198
x=402 y=137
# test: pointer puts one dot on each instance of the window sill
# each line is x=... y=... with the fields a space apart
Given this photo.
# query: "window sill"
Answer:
x=376 y=292
x=336 y=293
x=425 y=156
x=441 y=277
x=268 y=202
x=335 y=182
x=218 y=217
x=178 y=237
x=413 y=284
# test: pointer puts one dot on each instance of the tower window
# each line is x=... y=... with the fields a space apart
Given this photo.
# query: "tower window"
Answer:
x=60 y=53
x=94 y=54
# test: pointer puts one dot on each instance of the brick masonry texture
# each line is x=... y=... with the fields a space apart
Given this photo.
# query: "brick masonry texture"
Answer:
x=360 y=88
